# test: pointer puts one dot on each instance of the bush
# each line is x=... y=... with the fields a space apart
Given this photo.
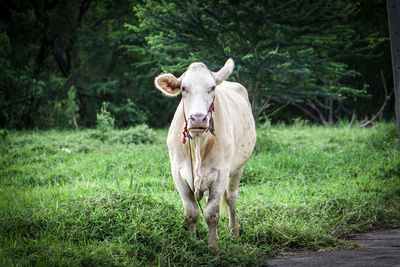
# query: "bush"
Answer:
x=134 y=135
x=3 y=134
x=105 y=121
x=140 y=134
x=264 y=142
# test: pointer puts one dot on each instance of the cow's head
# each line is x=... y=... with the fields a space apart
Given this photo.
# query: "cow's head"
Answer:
x=197 y=86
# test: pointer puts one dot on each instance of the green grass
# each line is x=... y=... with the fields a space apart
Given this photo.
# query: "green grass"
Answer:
x=114 y=204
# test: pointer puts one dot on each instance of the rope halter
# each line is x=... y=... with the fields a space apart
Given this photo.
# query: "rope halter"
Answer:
x=211 y=129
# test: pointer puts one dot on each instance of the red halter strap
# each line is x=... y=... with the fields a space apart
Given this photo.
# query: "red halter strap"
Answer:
x=185 y=129
x=211 y=109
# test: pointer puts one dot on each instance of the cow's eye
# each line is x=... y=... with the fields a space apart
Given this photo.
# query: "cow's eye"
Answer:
x=183 y=89
x=212 y=88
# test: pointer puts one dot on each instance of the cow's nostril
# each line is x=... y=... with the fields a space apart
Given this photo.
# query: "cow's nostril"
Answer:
x=199 y=117
x=198 y=120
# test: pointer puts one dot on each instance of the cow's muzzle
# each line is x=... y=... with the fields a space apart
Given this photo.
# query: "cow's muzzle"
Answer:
x=198 y=122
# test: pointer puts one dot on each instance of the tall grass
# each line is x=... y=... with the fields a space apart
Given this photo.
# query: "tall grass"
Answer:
x=69 y=198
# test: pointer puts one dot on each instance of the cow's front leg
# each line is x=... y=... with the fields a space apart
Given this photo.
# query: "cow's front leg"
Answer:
x=191 y=210
x=211 y=211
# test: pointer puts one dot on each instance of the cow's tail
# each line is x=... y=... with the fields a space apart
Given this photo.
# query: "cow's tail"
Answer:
x=224 y=205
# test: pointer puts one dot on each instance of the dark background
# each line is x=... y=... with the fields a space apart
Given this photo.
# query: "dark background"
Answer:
x=317 y=61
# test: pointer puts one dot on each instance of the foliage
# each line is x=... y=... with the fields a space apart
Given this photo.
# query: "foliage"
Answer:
x=105 y=121
x=133 y=135
x=140 y=134
x=81 y=45
x=297 y=58
x=286 y=52
x=111 y=203
x=3 y=135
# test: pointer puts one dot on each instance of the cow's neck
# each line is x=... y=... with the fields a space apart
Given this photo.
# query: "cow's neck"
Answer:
x=200 y=147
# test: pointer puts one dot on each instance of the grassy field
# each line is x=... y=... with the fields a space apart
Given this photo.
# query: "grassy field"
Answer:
x=68 y=198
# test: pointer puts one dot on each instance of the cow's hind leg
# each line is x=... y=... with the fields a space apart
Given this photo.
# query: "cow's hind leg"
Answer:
x=232 y=194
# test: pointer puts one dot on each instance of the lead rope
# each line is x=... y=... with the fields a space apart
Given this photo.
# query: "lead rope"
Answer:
x=191 y=168
x=187 y=134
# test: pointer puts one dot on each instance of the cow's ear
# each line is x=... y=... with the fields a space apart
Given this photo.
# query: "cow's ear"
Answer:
x=224 y=72
x=168 y=84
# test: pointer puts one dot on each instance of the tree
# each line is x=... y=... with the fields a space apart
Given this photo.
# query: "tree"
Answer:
x=287 y=53
x=394 y=22
x=63 y=59
x=52 y=46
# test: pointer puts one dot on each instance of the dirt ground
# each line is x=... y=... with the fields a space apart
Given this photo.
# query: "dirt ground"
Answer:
x=378 y=248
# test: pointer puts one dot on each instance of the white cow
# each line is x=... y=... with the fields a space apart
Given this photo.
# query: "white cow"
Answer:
x=215 y=122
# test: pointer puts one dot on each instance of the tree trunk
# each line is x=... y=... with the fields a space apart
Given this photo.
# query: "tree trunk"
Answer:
x=74 y=119
x=316 y=109
x=40 y=57
x=329 y=111
x=367 y=122
x=393 y=7
x=330 y=119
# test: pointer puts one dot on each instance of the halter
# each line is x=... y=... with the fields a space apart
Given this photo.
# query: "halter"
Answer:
x=210 y=129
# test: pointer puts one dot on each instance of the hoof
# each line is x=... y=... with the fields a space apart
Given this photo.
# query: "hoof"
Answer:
x=192 y=229
x=236 y=230
x=213 y=246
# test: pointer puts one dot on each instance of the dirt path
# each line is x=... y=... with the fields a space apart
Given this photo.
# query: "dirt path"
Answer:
x=380 y=248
